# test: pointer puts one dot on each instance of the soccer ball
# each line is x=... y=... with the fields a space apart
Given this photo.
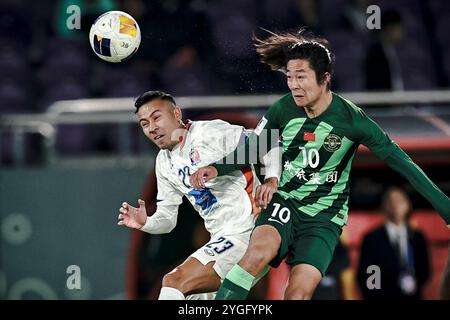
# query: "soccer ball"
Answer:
x=115 y=36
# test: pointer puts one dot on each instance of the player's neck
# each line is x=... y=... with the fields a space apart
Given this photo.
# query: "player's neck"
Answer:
x=180 y=135
x=320 y=105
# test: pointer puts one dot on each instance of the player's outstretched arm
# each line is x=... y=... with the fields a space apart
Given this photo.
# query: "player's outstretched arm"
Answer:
x=372 y=136
x=402 y=163
x=133 y=217
x=250 y=150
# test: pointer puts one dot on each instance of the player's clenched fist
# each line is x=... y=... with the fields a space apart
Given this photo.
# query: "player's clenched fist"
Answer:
x=133 y=217
x=201 y=176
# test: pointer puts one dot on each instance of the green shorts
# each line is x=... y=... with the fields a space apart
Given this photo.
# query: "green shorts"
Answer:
x=304 y=238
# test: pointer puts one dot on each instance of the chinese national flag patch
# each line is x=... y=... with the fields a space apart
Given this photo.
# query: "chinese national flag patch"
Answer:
x=309 y=136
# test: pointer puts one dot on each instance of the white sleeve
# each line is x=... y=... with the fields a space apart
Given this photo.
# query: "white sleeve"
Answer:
x=271 y=162
x=163 y=220
x=168 y=200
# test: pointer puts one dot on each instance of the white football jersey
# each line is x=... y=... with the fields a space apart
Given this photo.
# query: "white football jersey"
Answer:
x=226 y=203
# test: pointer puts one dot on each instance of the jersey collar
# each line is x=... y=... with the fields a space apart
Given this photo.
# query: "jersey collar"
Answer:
x=183 y=138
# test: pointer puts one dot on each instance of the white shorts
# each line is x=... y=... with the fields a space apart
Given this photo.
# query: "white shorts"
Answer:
x=226 y=251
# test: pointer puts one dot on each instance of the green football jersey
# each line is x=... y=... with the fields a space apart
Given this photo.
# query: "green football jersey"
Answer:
x=318 y=153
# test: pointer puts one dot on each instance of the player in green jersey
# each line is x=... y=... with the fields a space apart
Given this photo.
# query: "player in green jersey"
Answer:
x=320 y=133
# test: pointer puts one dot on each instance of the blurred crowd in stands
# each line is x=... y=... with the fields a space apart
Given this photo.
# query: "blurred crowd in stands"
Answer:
x=204 y=47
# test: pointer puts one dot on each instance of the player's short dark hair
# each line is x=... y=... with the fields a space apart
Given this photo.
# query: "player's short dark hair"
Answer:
x=152 y=95
x=278 y=49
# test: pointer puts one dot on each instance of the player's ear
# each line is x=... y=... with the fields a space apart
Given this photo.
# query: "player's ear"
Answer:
x=326 y=77
x=178 y=113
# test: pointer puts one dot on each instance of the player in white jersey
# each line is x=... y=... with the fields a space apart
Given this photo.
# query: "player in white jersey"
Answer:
x=225 y=203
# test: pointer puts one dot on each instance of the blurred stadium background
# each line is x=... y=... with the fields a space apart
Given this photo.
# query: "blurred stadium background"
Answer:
x=71 y=152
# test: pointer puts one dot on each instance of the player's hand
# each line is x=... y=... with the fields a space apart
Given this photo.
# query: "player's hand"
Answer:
x=132 y=217
x=265 y=192
x=201 y=176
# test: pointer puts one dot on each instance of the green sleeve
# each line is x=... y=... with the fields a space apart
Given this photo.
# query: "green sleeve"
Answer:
x=258 y=144
x=372 y=136
x=402 y=163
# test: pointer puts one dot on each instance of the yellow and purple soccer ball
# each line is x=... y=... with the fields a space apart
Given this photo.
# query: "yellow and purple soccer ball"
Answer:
x=115 y=36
